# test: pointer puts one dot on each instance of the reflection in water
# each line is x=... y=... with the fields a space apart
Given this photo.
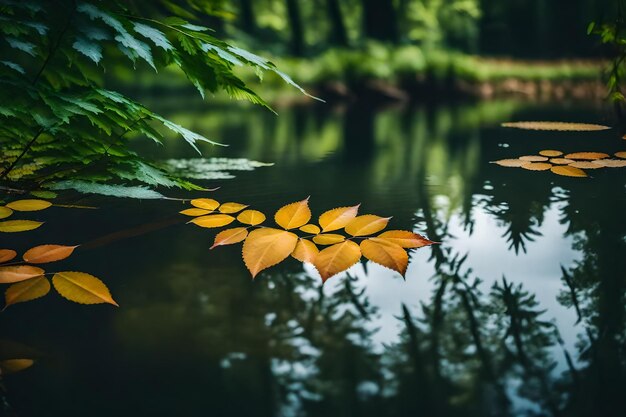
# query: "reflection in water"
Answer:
x=196 y=337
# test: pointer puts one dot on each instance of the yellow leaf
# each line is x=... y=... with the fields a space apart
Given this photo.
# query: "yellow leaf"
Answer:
x=338 y=218
x=572 y=127
x=229 y=208
x=386 y=254
x=6 y=255
x=621 y=154
x=568 y=171
x=551 y=153
x=293 y=215
x=48 y=253
x=82 y=288
x=586 y=155
x=328 y=239
x=5 y=212
x=267 y=247
x=533 y=158
x=26 y=291
x=561 y=161
x=366 y=225
x=205 y=203
x=29 y=205
x=305 y=251
x=610 y=163
x=11 y=366
x=12 y=226
x=193 y=212
x=310 y=228
x=586 y=164
x=17 y=273
x=404 y=239
x=230 y=236
x=251 y=217
x=510 y=163
x=337 y=258
x=537 y=166
x=213 y=220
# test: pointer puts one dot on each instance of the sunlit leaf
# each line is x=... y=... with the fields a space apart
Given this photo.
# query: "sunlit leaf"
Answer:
x=561 y=161
x=510 y=163
x=586 y=155
x=229 y=208
x=230 y=236
x=5 y=212
x=267 y=247
x=29 y=205
x=610 y=163
x=194 y=212
x=620 y=154
x=17 y=273
x=6 y=255
x=305 y=251
x=82 y=288
x=338 y=218
x=213 y=220
x=337 y=258
x=27 y=291
x=550 y=152
x=568 y=171
x=585 y=165
x=533 y=158
x=404 y=239
x=366 y=225
x=293 y=215
x=385 y=253
x=12 y=226
x=562 y=126
x=537 y=166
x=328 y=239
x=12 y=366
x=251 y=217
x=48 y=253
x=205 y=203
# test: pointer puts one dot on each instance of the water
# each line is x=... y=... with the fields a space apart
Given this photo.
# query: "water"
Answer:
x=485 y=324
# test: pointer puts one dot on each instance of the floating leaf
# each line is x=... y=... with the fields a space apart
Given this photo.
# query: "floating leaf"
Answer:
x=17 y=273
x=13 y=226
x=405 y=239
x=229 y=208
x=610 y=163
x=267 y=247
x=366 y=225
x=82 y=288
x=310 y=228
x=568 y=171
x=43 y=194
x=584 y=165
x=338 y=218
x=5 y=212
x=205 y=203
x=6 y=255
x=29 y=205
x=27 y=291
x=537 y=166
x=48 y=253
x=550 y=152
x=621 y=154
x=385 y=253
x=213 y=220
x=533 y=158
x=561 y=161
x=305 y=251
x=562 y=126
x=586 y=155
x=293 y=215
x=230 y=236
x=251 y=217
x=11 y=366
x=194 y=212
x=337 y=258
x=328 y=239
x=510 y=163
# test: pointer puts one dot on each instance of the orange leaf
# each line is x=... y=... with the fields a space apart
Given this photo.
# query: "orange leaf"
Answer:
x=6 y=255
x=328 y=239
x=293 y=215
x=11 y=366
x=267 y=247
x=213 y=220
x=195 y=212
x=305 y=251
x=586 y=155
x=48 y=253
x=229 y=208
x=510 y=163
x=337 y=258
x=205 y=203
x=386 y=254
x=17 y=273
x=82 y=288
x=310 y=228
x=610 y=163
x=404 y=239
x=533 y=158
x=620 y=154
x=366 y=225
x=251 y=217
x=568 y=171
x=230 y=236
x=551 y=153
x=338 y=218
x=537 y=166
x=27 y=291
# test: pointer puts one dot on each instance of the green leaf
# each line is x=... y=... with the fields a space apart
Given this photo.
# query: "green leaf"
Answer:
x=155 y=35
x=121 y=191
x=90 y=49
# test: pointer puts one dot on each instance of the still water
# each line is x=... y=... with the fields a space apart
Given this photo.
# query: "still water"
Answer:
x=519 y=311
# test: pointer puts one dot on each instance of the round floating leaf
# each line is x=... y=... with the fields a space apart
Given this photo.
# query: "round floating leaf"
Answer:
x=229 y=208
x=562 y=126
x=26 y=291
x=230 y=236
x=251 y=217
x=194 y=212
x=510 y=163
x=585 y=165
x=337 y=258
x=533 y=158
x=6 y=255
x=13 y=226
x=267 y=247
x=610 y=163
x=385 y=253
x=338 y=218
x=561 y=161
x=310 y=228
x=18 y=273
x=550 y=152
x=205 y=203
x=29 y=205
x=328 y=239
x=5 y=212
x=293 y=215
x=213 y=220
x=405 y=239
x=82 y=288
x=48 y=253
x=366 y=225
x=568 y=171
x=620 y=154
x=586 y=155
x=537 y=166
x=12 y=366
x=305 y=251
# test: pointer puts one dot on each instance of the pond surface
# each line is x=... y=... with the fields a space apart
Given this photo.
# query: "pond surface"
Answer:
x=519 y=311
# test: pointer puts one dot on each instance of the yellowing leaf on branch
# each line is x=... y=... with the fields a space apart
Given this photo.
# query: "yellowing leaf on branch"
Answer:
x=29 y=205
x=338 y=218
x=82 y=288
x=17 y=273
x=305 y=251
x=568 y=171
x=12 y=366
x=229 y=208
x=310 y=228
x=213 y=220
x=293 y=215
x=48 y=253
x=328 y=239
x=26 y=291
x=366 y=224
x=385 y=253
x=6 y=255
x=5 y=212
x=205 y=203
x=194 y=212
x=337 y=258
x=267 y=247
x=230 y=236
x=404 y=239
x=251 y=217
x=14 y=226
